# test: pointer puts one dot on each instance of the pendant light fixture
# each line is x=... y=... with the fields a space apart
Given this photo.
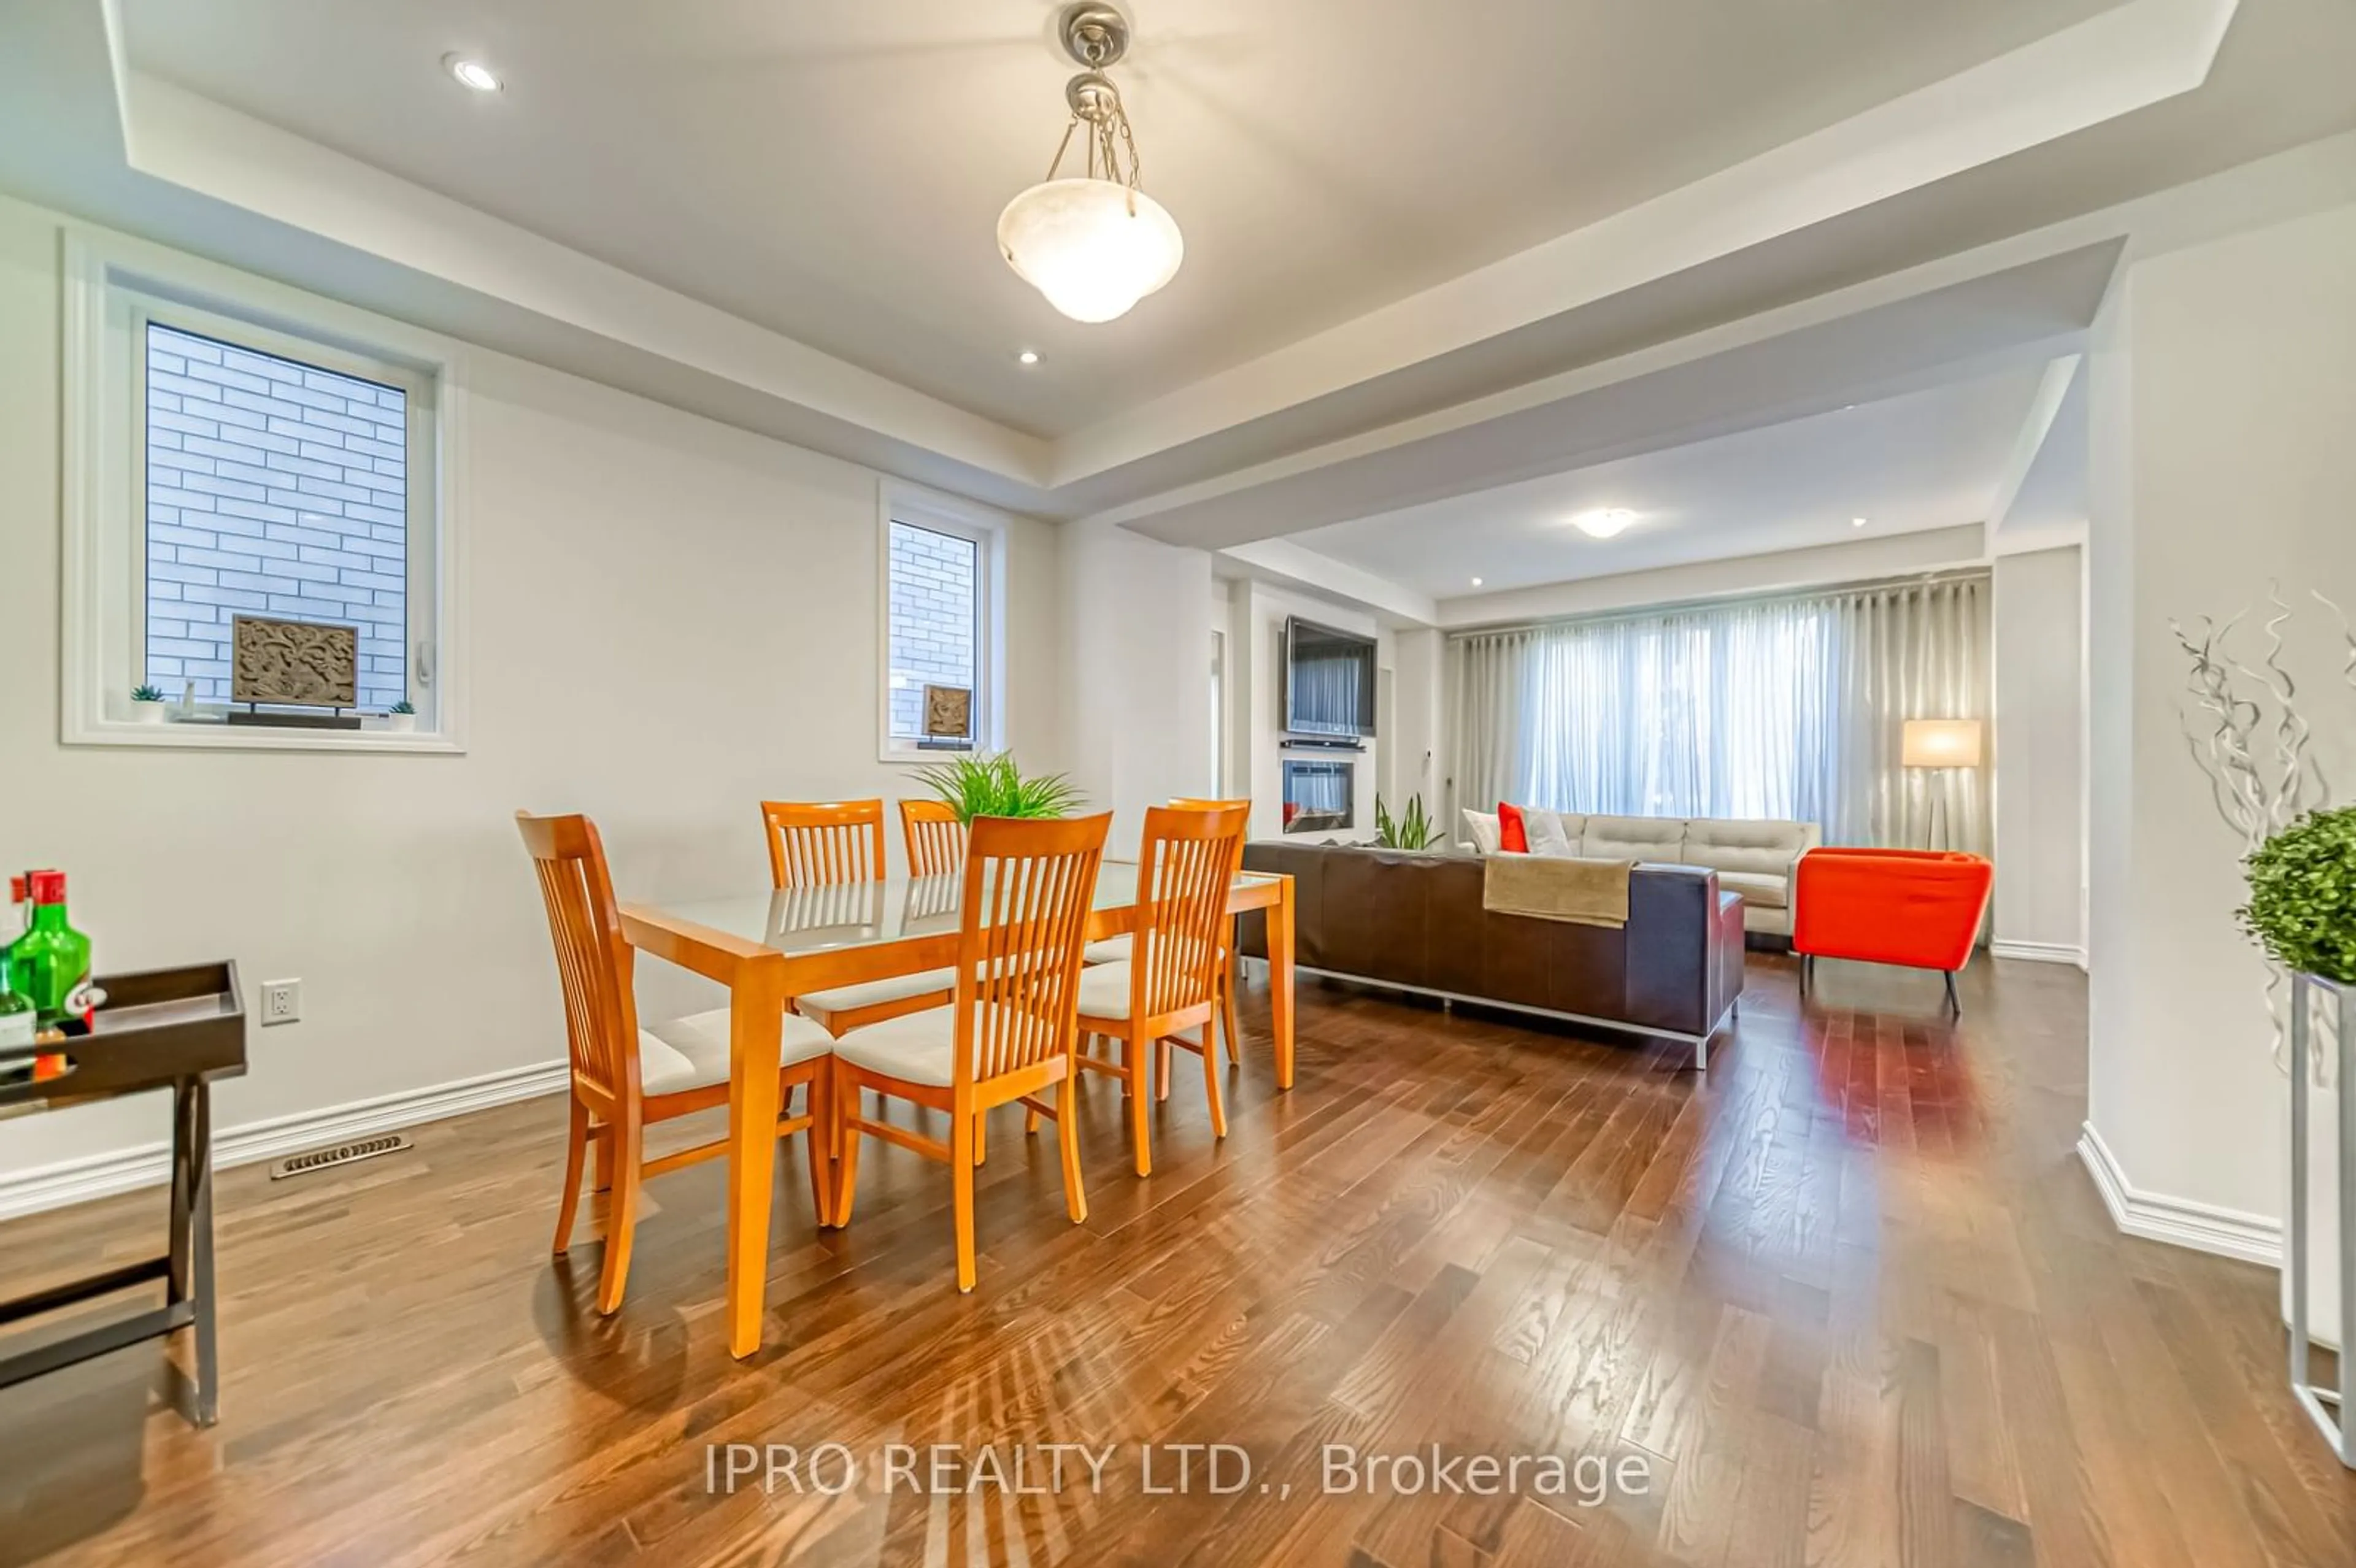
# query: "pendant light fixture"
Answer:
x=1093 y=242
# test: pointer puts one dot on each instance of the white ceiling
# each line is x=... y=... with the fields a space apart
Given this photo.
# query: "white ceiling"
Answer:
x=1932 y=459
x=834 y=171
x=1413 y=271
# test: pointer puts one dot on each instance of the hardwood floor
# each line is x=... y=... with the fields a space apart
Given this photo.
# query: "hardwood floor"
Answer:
x=1851 y=1302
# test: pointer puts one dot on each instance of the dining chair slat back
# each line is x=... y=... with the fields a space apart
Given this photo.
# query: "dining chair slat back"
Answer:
x=1030 y=886
x=814 y=842
x=934 y=838
x=592 y=956
x=1186 y=864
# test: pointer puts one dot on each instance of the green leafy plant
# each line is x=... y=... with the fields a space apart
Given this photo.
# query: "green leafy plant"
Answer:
x=146 y=694
x=1410 y=829
x=995 y=786
x=2302 y=907
x=403 y=705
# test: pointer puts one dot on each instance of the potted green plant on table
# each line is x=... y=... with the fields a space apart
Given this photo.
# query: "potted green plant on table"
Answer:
x=148 y=704
x=995 y=785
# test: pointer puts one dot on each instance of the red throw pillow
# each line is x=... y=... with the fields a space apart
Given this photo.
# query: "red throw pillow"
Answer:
x=1512 y=836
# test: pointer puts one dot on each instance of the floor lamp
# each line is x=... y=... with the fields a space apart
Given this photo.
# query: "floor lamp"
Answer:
x=1939 y=745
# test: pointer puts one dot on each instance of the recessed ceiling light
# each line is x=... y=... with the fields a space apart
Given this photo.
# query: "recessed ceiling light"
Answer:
x=1028 y=357
x=1856 y=522
x=472 y=73
x=1604 y=523
x=1847 y=408
x=1476 y=582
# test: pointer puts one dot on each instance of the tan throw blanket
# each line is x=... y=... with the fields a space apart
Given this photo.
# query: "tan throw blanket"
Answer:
x=1587 y=893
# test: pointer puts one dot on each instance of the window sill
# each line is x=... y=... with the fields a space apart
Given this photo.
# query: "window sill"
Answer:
x=201 y=735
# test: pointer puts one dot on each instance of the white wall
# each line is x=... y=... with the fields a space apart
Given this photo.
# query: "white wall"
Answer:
x=670 y=620
x=2037 y=751
x=2223 y=394
x=1137 y=673
x=1261 y=611
x=1412 y=750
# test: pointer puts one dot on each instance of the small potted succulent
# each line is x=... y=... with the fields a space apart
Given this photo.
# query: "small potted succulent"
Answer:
x=402 y=717
x=148 y=706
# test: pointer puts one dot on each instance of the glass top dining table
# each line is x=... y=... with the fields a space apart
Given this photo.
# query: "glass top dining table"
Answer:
x=768 y=947
x=841 y=915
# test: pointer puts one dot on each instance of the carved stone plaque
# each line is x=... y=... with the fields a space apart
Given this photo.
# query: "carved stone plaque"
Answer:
x=949 y=713
x=303 y=663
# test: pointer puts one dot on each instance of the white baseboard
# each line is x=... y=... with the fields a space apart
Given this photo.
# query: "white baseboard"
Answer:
x=2178 y=1221
x=149 y=1165
x=2040 y=952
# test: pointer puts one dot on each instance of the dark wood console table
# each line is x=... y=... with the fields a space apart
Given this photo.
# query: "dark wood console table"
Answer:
x=168 y=1028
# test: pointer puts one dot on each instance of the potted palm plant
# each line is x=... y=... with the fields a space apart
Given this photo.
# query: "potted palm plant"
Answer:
x=995 y=785
x=1411 y=830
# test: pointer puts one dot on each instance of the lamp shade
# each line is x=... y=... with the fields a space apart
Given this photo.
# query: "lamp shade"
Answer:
x=1943 y=743
x=1093 y=247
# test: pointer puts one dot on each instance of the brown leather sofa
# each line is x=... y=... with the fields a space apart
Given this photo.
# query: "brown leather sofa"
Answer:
x=1415 y=922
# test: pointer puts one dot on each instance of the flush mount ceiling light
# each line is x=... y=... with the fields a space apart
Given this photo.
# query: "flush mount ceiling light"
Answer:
x=1094 y=243
x=472 y=73
x=1028 y=357
x=1604 y=523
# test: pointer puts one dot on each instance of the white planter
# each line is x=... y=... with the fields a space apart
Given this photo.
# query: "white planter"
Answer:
x=401 y=723
x=151 y=713
x=2317 y=1236
x=2323 y=1216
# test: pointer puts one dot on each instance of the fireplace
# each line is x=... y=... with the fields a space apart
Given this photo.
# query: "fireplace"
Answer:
x=1319 y=796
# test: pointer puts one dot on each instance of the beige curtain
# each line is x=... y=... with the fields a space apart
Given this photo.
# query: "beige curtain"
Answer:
x=1789 y=708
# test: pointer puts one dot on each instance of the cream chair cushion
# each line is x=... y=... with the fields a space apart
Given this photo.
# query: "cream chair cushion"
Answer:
x=1104 y=991
x=874 y=992
x=915 y=1048
x=693 y=1052
x=1111 y=950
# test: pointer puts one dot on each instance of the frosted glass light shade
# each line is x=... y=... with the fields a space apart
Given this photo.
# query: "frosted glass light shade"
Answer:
x=1942 y=743
x=1077 y=242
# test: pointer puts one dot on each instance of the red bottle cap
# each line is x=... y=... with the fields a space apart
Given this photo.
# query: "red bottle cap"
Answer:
x=16 y=890
x=48 y=887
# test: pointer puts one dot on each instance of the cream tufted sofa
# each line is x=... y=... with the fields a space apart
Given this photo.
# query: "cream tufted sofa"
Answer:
x=1759 y=860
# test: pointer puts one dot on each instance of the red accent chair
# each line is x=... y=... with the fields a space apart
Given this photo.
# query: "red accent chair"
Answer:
x=1922 y=908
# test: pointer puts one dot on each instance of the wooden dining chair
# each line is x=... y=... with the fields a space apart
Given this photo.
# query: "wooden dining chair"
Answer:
x=1116 y=949
x=816 y=842
x=627 y=1077
x=1184 y=869
x=825 y=843
x=1007 y=1034
x=934 y=836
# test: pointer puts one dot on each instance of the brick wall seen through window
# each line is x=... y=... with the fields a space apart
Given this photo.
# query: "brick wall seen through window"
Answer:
x=935 y=596
x=277 y=488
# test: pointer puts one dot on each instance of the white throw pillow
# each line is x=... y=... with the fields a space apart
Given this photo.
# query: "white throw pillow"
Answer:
x=1482 y=827
x=1546 y=835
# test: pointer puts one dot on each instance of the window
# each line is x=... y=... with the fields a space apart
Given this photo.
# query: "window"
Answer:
x=239 y=449
x=938 y=626
x=274 y=488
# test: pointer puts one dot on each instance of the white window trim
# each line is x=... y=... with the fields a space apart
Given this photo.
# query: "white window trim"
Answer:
x=110 y=281
x=948 y=515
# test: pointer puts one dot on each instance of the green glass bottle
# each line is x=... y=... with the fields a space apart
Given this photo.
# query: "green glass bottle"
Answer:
x=50 y=963
x=15 y=1020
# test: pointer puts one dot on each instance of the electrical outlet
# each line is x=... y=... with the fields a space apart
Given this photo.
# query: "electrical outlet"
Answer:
x=282 y=1001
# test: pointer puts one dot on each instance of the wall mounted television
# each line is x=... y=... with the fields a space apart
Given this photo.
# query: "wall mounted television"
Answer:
x=1329 y=682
